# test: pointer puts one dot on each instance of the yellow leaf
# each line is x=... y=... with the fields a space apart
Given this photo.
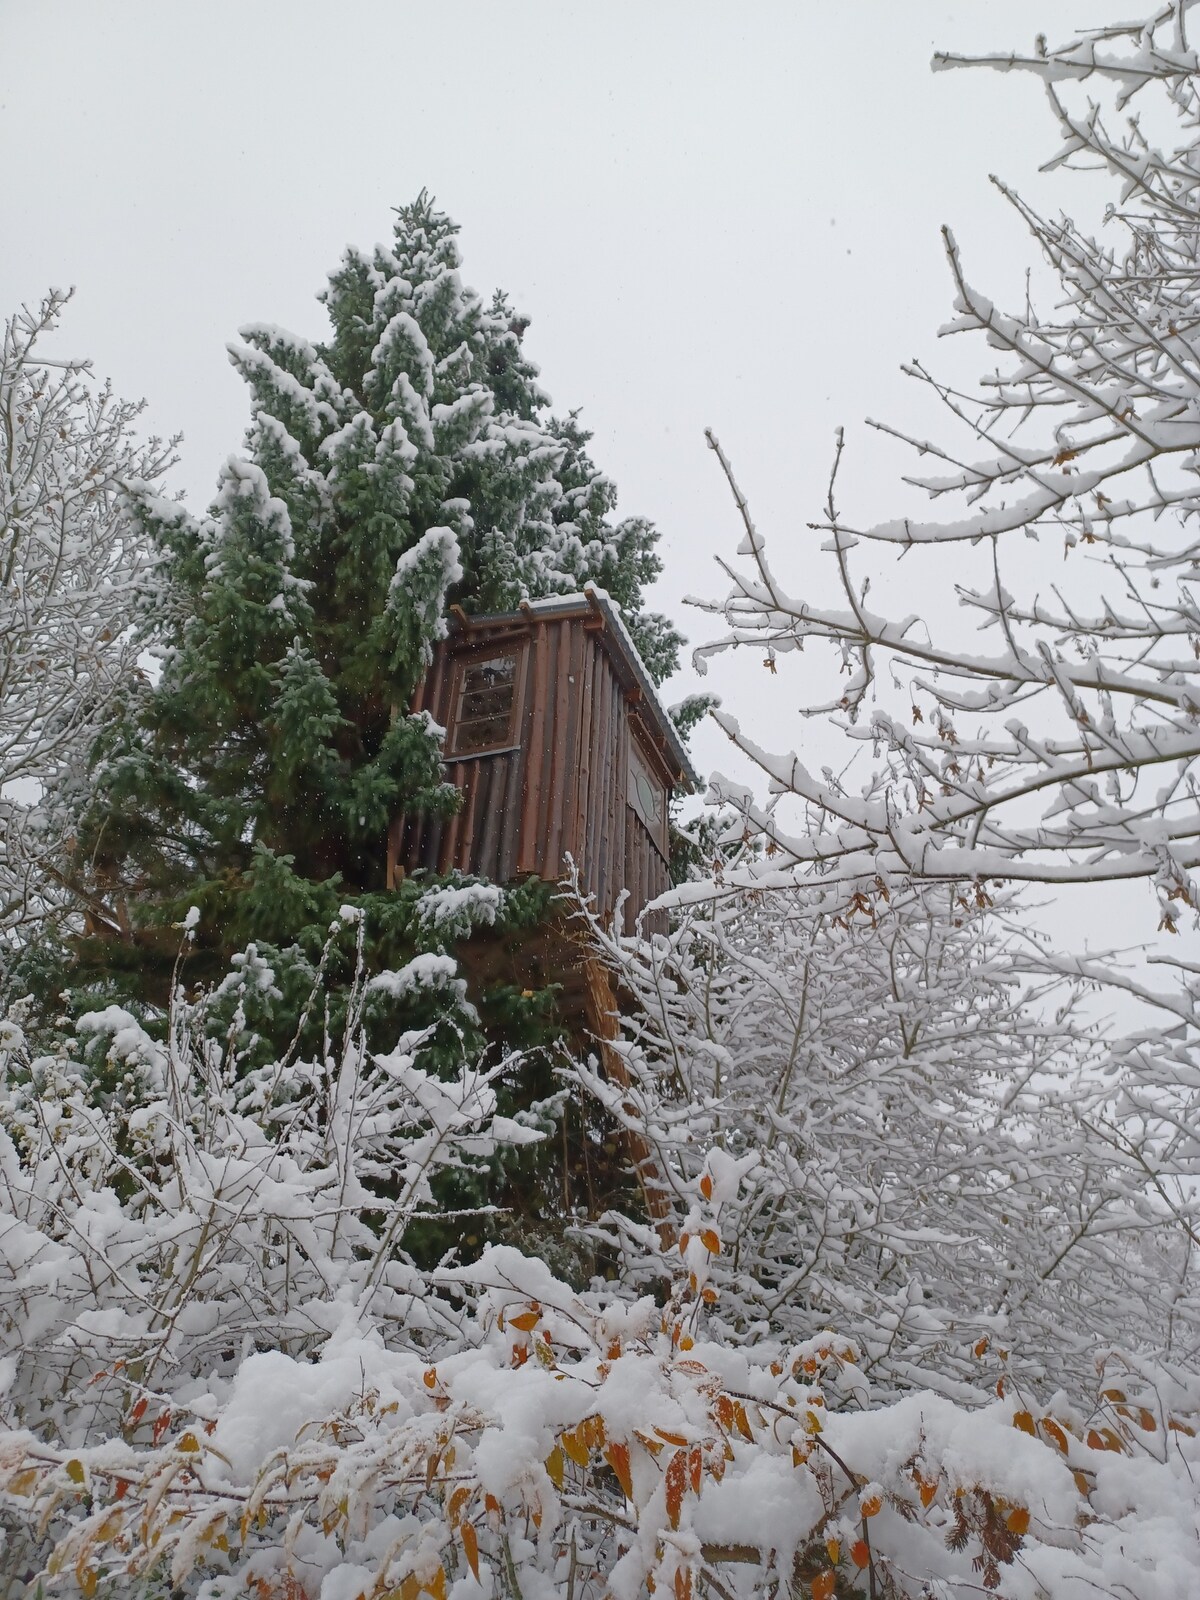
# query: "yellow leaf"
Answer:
x=526 y=1321
x=575 y=1447
x=1024 y=1421
x=670 y=1438
x=833 y=1549
x=23 y=1482
x=555 y=1463
x=1018 y=1521
x=75 y=1470
x=436 y=1586
x=189 y=1444
x=470 y=1542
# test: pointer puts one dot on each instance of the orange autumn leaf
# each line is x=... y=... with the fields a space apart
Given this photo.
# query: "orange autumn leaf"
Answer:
x=871 y=1506
x=710 y=1241
x=1018 y=1521
x=1054 y=1433
x=457 y=1501
x=470 y=1542
x=526 y=1321
x=926 y=1489
x=823 y=1585
x=676 y=1484
x=617 y=1456
x=695 y=1467
x=1104 y=1439
x=670 y=1438
x=860 y=1553
x=1024 y=1421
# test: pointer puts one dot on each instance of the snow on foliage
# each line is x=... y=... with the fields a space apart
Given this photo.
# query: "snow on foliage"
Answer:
x=69 y=566
x=1061 y=748
x=564 y=1443
x=921 y=1133
x=923 y=1317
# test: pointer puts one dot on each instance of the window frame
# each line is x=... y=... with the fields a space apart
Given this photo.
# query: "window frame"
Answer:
x=659 y=833
x=464 y=661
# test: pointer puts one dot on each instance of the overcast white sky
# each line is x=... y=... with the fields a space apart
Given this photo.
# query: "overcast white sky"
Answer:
x=713 y=214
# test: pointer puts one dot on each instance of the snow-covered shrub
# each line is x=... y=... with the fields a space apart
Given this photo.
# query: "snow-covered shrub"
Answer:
x=919 y=1131
x=579 y=1446
x=167 y=1209
x=70 y=566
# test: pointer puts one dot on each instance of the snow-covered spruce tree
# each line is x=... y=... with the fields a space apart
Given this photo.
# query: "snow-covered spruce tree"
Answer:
x=70 y=559
x=406 y=464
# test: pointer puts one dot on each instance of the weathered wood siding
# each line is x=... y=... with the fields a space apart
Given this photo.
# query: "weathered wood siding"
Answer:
x=562 y=792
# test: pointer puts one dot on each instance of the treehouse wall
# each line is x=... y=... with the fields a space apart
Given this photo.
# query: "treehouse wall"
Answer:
x=576 y=771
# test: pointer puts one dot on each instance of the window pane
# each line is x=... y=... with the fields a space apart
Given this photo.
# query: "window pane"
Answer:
x=646 y=794
x=483 y=719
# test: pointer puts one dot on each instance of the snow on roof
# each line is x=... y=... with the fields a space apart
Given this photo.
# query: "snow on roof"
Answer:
x=599 y=601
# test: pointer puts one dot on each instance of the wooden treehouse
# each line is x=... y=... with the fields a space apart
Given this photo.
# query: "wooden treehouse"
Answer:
x=561 y=749
x=564 y=756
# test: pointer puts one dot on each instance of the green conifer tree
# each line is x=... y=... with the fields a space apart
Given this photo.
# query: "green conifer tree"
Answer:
x=408 y=463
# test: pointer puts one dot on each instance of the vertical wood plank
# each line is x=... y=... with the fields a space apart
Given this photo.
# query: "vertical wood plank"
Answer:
x=561 y=753
x=527 y=845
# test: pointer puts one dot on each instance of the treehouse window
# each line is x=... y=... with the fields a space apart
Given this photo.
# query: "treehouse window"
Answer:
x=483 y=713
x=647 y=796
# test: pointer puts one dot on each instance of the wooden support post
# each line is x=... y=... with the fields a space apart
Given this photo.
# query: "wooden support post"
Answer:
x=603 y=1022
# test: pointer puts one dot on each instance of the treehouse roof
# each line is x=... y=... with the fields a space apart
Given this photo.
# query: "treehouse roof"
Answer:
x=641 y=693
